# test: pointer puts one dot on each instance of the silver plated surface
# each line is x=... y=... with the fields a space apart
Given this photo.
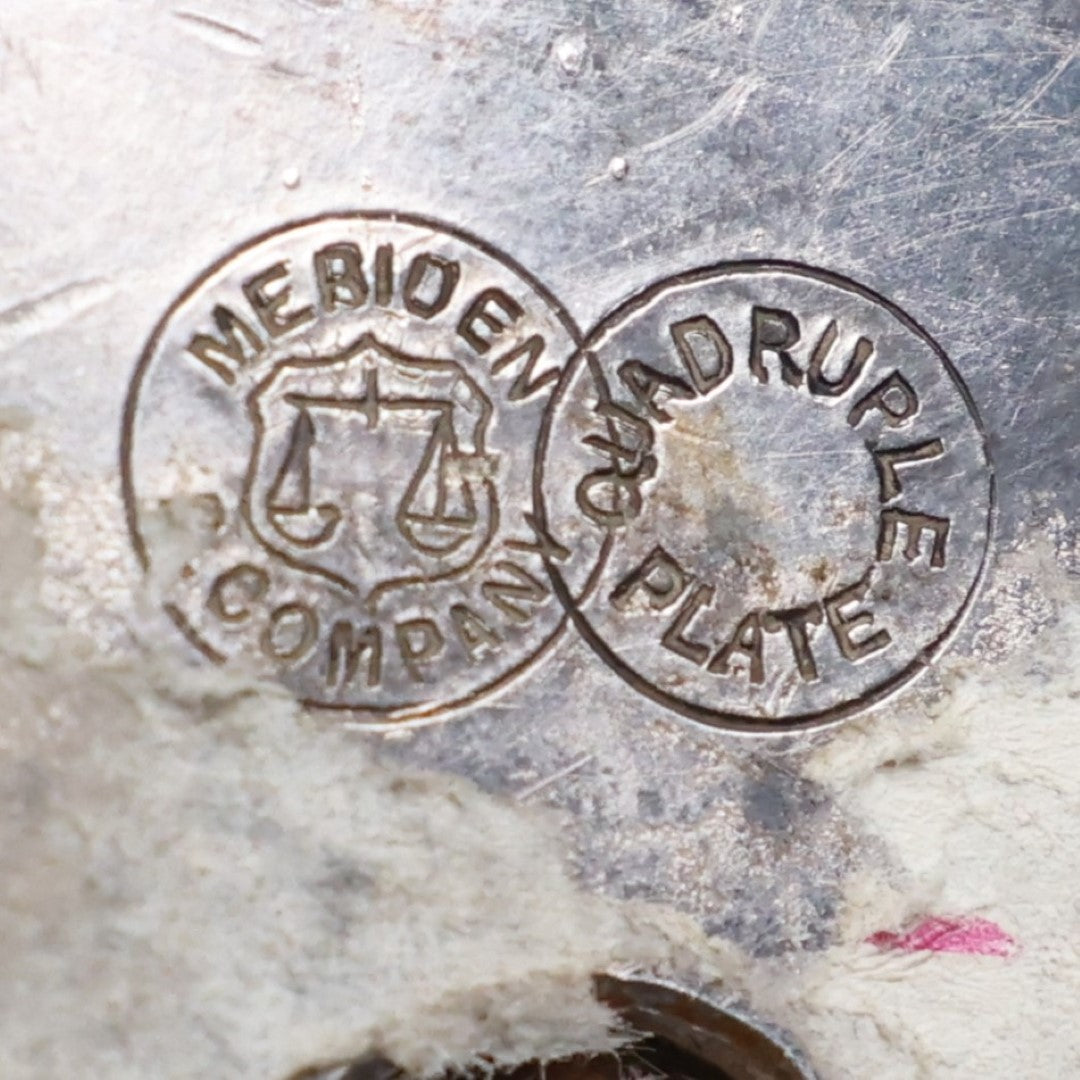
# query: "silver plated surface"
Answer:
x=927 y=150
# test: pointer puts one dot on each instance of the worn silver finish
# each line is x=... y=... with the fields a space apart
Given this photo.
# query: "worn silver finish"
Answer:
x=772 y=494
x=927 y=150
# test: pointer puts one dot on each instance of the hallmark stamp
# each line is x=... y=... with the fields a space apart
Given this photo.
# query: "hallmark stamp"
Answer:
x=328 y=456
x=775 y=494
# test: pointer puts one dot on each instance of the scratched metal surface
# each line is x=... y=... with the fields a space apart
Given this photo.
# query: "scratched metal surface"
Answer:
x=926 y=149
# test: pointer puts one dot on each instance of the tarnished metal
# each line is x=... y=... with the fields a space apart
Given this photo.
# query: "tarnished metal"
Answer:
x=926 y=151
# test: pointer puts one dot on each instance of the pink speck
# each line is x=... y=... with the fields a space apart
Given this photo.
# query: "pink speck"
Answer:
x=971 y=936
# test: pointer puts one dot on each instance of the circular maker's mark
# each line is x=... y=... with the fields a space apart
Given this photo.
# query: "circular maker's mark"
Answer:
x=327 y=461
x=775 y=490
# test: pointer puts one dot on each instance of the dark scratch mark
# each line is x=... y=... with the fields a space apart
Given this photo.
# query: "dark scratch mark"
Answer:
x=23 y=56
x=278 y=68
x=221 y=35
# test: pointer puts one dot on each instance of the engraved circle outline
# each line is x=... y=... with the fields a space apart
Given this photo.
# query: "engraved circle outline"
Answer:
x=733 y=722
x=374 y=717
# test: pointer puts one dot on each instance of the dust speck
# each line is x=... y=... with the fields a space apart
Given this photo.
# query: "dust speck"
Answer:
x=570 y=52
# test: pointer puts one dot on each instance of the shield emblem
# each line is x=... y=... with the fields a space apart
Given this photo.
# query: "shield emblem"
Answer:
x=369 y=467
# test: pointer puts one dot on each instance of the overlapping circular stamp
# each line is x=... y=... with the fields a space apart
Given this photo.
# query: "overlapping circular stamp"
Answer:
x=775 y=492
x=328 y=457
